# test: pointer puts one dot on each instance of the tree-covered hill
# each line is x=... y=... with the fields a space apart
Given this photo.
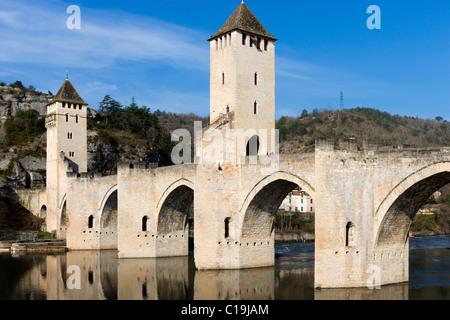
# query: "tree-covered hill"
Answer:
x=298 y=134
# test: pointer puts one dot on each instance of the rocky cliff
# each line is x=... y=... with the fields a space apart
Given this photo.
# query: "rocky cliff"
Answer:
x=16 y=97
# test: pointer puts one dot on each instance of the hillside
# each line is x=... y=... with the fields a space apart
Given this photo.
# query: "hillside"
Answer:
x=363 y=125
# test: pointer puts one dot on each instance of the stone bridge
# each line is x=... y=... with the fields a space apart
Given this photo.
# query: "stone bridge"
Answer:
x=365 y=197
x=365 y=201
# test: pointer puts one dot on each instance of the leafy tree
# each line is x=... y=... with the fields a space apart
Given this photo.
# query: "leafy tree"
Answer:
x=109 y=109
x=17 y=84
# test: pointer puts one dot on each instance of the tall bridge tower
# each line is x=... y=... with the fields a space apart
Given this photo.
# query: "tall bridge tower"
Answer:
x=242 y=75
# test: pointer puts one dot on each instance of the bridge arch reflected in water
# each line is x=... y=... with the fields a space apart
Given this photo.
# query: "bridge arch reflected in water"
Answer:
x=105 y=277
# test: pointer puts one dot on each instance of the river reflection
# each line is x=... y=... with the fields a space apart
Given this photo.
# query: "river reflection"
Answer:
x=105 y=277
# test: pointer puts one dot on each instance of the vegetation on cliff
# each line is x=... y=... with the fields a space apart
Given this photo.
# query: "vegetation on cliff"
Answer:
x=22 y=128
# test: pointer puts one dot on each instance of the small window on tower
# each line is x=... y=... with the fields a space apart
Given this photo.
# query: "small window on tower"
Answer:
x=68 y=105
x=144 y=223
x=64 y=105
x=256 y=78
x=76 y=118
x=229 y=39
x=223 y=78
x=266 y=44
x=244 y=39
x=228 y=109
x=227 y=227
x=67 y=118
x=91 y=221
x=255 y=107
x=217 y=44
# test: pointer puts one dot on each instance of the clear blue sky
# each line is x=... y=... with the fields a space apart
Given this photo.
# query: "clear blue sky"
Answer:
x=156 y=51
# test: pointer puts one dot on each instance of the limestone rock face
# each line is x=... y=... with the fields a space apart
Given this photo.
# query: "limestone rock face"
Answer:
x=13 y=99
x=33 y=163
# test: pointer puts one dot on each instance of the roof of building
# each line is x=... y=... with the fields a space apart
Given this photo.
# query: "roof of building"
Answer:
x=298 y=192
x=67 y=93
x=244 y=20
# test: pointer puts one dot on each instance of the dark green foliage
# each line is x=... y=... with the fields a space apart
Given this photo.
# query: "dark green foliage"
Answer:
x=139 y=121
x=17 y=84
x=24 y=127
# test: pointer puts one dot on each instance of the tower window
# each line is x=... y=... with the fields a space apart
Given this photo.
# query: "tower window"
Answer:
x=144 y=223
x=229 y=39
x=256 y=78
x=244 y=39
x=255 y=108
x=228 y=109
x=349 y=234
x=258 y=43
x=217 y=44
x=76 y=118
x=91 y=221
x=227 y=227
x=80 y=106
x=69 y=105
x=266 y=44
x=64 y=105
x=223 y=78
x=67 y=118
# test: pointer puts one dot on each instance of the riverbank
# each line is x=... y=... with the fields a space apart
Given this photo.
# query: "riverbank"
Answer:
x=294 y=236
x=38 y=246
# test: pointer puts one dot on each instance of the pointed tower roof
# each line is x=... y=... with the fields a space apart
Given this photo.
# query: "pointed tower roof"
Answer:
x=67 y=93
x=244 y=20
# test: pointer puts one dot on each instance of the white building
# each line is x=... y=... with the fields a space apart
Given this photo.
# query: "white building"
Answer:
x=298 y=201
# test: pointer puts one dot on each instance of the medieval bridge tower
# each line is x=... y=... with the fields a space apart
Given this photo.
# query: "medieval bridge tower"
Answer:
x=66 y=124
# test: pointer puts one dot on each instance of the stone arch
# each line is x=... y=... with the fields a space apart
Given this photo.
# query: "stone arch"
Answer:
x=63 y=221
x=108 y=221
x=107 y=196
x=43 y=215
x=172 y=187
x=263 y=201
x=174 y=207
x=253 y=146
x=399 y=207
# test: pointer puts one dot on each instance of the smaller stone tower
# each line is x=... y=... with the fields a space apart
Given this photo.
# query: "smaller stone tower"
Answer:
x=66 y=124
